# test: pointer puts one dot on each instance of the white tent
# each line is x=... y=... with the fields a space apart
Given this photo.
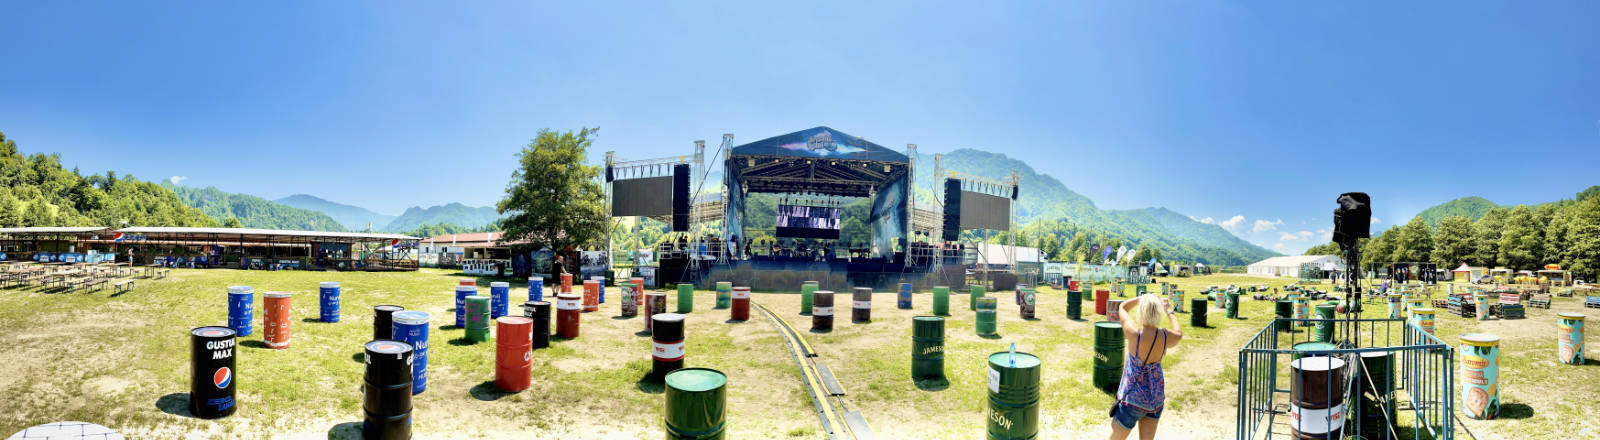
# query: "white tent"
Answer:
x=1289 y=265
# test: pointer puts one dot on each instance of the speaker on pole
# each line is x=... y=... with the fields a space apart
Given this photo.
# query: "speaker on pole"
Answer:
x=680 y=197
x=1353 y=218
x=952 y=209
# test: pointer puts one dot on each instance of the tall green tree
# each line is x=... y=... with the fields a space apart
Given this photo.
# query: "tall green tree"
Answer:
x=1452 y=243
x=554 y=198
x=1486 y=238
x=232 y=222
x=1522 y=239
x=1415 y=242
x=1329 y=248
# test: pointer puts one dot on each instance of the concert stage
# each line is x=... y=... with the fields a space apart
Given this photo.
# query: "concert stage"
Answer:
x=783 y=274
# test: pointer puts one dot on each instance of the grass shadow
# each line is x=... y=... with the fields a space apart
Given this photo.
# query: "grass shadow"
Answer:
x=805 y=313
x=176 y=404
x=933 y=385
x=313 y=320
x=1515 y=411
x=450 y=327
x=1030 y=319
x=738 y=321
x=359 y=357
x=993 y=336
x=821 y=331
x=642 y=333
x=487 y=392
x=623 y=318
x=650 y=385
x=554 y=338
x=462 y=342
x=345 y=431
x=1590 y=362
x=254 y=344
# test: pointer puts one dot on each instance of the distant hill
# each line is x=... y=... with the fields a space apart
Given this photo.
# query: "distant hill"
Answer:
x=252 y=211
x=354 y=218
x=36 y=190
x=1473 y=208
x=453 y=213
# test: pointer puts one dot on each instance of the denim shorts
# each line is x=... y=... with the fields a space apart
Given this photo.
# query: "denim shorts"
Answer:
x=1128 y=416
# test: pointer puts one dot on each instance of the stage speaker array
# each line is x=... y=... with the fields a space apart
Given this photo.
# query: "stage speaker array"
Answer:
x=680 y=197
x=952 y=209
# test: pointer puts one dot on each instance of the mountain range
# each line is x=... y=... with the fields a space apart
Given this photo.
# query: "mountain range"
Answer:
x=353 y=218
x=452 y=213
x=252 y=211
x=1473 y=208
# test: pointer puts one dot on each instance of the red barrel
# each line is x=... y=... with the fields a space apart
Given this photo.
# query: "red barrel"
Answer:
x=1100 y=297
x=513 y=353
x=591 y=295
x=638 y=290
x=1072 y=285
x=567 y=315
x=566 y=283
x=741 y=304
x=276 y=333
x=468 y=282
x=1114 y=310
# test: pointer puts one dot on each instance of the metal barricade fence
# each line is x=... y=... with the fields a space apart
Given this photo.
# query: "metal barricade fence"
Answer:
x=1422 y=364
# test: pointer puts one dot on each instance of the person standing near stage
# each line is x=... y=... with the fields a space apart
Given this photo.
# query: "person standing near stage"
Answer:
x=1142 y=394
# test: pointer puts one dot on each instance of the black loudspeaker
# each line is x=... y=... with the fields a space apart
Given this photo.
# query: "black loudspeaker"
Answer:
x=1353 y=219
x=680 y=197
x=1013 y=193
x=952 y=209
x=610 y=176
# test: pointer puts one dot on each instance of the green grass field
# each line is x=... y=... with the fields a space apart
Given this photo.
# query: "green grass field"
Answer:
x=123 y=362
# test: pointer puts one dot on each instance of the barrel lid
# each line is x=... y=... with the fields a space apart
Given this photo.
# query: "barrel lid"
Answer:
x=1394 y=295
x=513 y=320
x=388 y=308
x=1480 y=339
x=1422 y=310
x=696 y=379
x=212 y=332
x=411 y=317
x=1317 y=363
x=942 y=287
x=1023 y=360
x=538 y=303
x=812 y=282
x=1571 y=316
x=819 y=292
x=1376 y=354
x=240 y=289
x=1315 y=346
x=276 y=294
x=466 y=288
x=1332 y=306
x=499 y=284
x=587 y=282
x=742 y=288
x=575 y=296
x=667 y=317
x=387 y=346
x=328 y=284
x=539 y=279
x=468 y=282
x=927 y=318
x=1108 y=325
x=861 y=289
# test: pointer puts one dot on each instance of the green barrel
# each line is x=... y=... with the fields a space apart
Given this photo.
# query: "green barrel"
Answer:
x=724 y=297
x=696 y=402
x=1138 y=290
x=1312 y=346
x=1074 y=304
x=1013 y=396
x=1233 y=304
x=686 y=296
x=477 y=318
x=1323 y=332
x=986 y=316
x=977 y=292
x=941 y=300
x=1285 y=311
x=1108 y=345
x=806 y=289
x=1375 y=398
x=927 y=348
x=1197 y=311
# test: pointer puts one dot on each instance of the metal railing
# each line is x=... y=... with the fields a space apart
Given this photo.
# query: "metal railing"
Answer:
x=1422 y=368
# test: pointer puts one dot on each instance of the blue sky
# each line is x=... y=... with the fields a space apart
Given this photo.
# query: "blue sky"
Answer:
x=1228 y=111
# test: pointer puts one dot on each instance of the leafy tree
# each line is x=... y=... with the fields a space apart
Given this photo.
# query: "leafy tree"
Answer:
x=1486 y=238
x=554 y=199
x=1522 y=241
x=1453 y=242
x=1329 y=248
x=1414 y=243
x=232 y=222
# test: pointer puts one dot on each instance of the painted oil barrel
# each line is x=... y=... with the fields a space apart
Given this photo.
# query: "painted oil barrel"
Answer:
x=696 y=404
x=387 y=390
x=638 y=290
x=903 y=302
x=686 y=298
x=1074 y=305
x=806 y=290
x=328 y=296
x=499 y=299
x=1423 y=317
x=1316 y=397
x=211 y=372
x=535 y=288
x=628 y=307
x=241 y=309
x=1480 y=375
x=666 y=344
x=740 y=310
x=1395 y=306
x=1323 y=331
x=513 y=353
x=539 y=313
x=411 y=327
x=1177 y=300
x=1412 y=303
x=1029 y=303
x=1108 y=345
x=1483 y=306
x=822 y=311
x=568 y=306
x=927 y=348
x=469 y=282
x=986 y=325
x=462 y=292
x=1569 y=338
x=724 y=297
x=600 y=281
x=1114 y=310
x=1233 y=304
x=1375 y=399
x=383 y=321
x=1302 y=310
x=591 y=296
x=972 y=297
x=1013 y=396
x=1100 y=299
x=861 y=305
x=477 y=318
x=566 y=283
x=1072 y=285
x=1197 y=311
x=655 y=303
x=1285 y=311
x=275 y=329
x=941 y=300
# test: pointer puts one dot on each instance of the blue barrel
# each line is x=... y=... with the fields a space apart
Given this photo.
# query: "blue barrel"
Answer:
x=602 y=291
x=411 y=327
x=330 y=301
x=499 y=299
x=905 y=297
x=241 y=307
x=462 y=292
x=535 y=289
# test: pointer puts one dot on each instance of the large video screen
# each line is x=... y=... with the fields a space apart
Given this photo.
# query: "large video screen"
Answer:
x=983 y=211
x=796 y=221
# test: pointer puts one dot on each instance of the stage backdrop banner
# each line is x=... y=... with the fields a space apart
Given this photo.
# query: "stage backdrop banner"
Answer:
x=650 y=196
x=888 y=217
x=983 y=211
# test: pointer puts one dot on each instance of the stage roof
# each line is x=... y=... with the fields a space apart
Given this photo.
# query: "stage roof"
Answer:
x=820 y=143
x=177 y=231
x=818 y=160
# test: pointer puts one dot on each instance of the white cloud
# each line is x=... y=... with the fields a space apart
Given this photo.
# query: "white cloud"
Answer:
x=1233 y=223
x=177 y=179
x=1304 y=234
x=1326 y=235
x=1279 y=246
x=1208 y=220
x=1264 y=226
x=1375 y=220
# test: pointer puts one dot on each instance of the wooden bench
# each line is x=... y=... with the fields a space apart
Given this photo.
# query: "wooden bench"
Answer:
x=163 y=273
x=1540 y=301
x=1592 y=302
x=122 y=286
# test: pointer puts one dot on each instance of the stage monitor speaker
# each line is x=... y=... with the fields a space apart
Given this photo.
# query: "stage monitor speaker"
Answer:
x=680 y=197
x=1353 y=219
x=952 y=209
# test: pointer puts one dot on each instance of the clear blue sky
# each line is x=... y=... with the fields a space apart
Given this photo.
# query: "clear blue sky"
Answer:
x=1215 y=110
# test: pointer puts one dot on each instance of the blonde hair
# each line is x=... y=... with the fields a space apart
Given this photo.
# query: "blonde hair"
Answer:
x=1148 y=312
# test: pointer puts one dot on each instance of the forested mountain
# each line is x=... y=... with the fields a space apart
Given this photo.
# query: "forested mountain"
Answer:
x=426 y=231
x=453 y=213
x=1473 y=208
x=354 y=218
x=252 y=211
x=35 y=190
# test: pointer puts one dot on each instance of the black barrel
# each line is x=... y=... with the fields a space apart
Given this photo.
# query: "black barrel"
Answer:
x=387 y=389
x=1074 y=304
x=666 y=345
x=1197 y=311
x=861 y=305
x=383 y=321
x=211 y=368
x=1375 y=399
x=822 y=311
x=539 y=312
x=927 y=348
x=1285 y=311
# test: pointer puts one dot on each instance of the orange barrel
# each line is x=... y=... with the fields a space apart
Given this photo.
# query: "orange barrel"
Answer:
x=513 y=353
x=655 y=303
x=741 y=304
x=591 y=295
x=861 y=306
x=1422 y=317
x=1100 y=297
x=471 y=282
x=638 y=290
x=1114 y=310
x=276 y=332
x=822 y=311
x=566 y=283
x=666 y=344
x=1569 y=338
x=567 y=315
